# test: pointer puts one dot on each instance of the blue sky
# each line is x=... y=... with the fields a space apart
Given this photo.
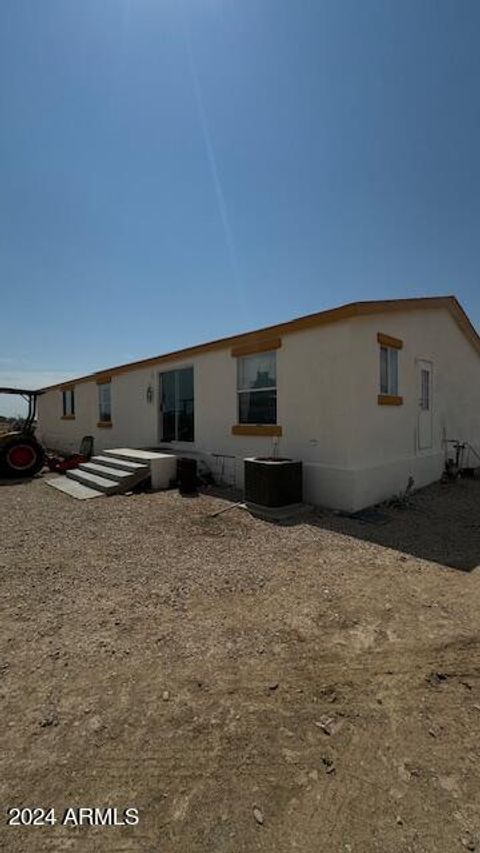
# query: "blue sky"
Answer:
x=172 y=172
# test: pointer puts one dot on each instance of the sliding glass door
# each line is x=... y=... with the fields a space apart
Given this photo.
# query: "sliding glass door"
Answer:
x=176 y=405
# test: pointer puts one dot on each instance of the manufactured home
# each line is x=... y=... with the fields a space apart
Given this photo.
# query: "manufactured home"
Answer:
x=366 y=395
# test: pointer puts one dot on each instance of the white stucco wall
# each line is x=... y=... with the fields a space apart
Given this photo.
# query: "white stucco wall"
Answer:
x=313 y=372
x=385 y=438
x=133 y=419
x=354 y=452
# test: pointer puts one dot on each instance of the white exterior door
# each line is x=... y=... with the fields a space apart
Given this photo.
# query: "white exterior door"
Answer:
x=425 y=404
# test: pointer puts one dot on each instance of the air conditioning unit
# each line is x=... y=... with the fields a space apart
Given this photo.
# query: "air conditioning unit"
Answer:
x=271 y=482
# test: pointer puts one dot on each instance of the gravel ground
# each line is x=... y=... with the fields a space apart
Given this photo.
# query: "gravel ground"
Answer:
x=246 y=686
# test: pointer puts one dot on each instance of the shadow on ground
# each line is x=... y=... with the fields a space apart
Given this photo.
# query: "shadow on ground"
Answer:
x=441 y=524
x=21 y=481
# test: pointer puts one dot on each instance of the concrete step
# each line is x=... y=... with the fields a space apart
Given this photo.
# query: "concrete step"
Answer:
x=123 y=463
x=162 y=466
x=131 y=455
x=102 y=484
x=111 y=472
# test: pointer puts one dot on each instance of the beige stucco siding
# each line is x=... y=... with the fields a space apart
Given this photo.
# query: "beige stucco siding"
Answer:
x=313 y=404
x=354 y=451
x=133 y=419
x=385 y=438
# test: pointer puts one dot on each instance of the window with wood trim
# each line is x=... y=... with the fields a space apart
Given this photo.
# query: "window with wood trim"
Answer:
x=104 y=403
x=389 y=371
x=257 y=388
x=68 y=403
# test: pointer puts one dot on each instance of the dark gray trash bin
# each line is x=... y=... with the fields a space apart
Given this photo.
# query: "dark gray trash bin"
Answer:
x=187 y=476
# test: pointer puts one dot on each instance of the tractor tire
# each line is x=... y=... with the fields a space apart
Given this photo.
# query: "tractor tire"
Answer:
x=21 y=456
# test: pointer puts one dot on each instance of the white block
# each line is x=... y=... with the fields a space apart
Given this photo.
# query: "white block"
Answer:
x=163 y=470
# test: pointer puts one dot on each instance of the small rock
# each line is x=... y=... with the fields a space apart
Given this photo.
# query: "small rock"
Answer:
x=258 y=815
x=437 y=677
x=95 y=724
x=273 y=686
x=399 y=820
x=469 y=844
x=165 y=695
x=49 y=720
x=325 y=724
x=328 y=694
x=328 y=725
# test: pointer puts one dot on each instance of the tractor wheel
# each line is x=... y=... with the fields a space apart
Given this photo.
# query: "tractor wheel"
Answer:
x=21 y=456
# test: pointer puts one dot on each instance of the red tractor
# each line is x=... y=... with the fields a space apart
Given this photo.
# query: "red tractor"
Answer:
x=21 y=455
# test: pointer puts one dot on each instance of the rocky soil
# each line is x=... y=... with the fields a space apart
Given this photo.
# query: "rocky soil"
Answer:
x=246 y=686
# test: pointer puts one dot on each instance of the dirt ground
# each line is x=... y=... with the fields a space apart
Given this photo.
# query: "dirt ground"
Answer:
x=247 y=686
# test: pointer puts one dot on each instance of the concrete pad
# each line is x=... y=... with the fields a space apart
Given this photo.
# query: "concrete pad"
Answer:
x=279 y=514
x=74 y=489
